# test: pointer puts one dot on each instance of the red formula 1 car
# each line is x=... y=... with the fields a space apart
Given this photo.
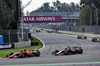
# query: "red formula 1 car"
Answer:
x=24 y=53
x=81 y=37
x=68 y=51
x=95 y=39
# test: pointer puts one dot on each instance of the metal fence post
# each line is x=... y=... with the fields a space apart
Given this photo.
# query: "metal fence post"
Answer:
x=9 y=36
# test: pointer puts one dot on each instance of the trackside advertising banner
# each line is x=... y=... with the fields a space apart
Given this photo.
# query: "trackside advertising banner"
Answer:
x=42 y=18
x=6 y=46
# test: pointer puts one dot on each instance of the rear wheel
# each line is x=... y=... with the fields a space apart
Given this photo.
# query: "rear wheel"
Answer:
x=80 y=51
x=85 y=37
x=79 y=37
x=23 y=55
x=93 y=40
x=11 y=53
x=66 y=52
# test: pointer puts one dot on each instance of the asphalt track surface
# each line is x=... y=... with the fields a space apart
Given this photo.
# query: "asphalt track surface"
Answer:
x=53 y=41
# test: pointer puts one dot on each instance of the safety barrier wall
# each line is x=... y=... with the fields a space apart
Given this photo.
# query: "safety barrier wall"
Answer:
x=77 y=28
x=87 y=29
x=13 y=39
x=22 y=44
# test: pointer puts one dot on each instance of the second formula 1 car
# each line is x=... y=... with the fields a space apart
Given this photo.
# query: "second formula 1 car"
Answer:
x=49 y=31
x=68 y=51
x=95 y=39
x=24 y=53
x=38 y=31
x=81 y=37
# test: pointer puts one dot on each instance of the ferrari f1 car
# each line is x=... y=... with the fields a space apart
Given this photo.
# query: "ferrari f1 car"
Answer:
x=68 y=51
x=95 y=39
x=81 y=37
x=24 y=53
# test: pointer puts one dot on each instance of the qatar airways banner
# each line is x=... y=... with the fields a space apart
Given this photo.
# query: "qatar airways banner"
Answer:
x=42 y=19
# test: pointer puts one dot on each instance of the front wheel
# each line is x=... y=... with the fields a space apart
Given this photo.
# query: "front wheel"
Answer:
x=56 y=51
x=38 y=54
x=56 y=54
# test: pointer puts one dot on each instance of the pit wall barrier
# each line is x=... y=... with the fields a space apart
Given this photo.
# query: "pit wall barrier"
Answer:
x=22 y=44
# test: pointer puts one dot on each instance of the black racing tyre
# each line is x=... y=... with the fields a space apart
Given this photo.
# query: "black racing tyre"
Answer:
x=85 y=37
x=37 y=31
x=49 y=31
x=56 y=54
x=7 y=55
x=94 y=40
x=38 y=54
x=41 y=29
x=55 y=51
x=33 y=54
x=80 y=51
x=11 y=53
x=22 y=55
x=66 y=52
x=79 y=37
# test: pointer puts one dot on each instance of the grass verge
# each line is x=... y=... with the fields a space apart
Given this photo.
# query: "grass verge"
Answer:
x=3 y=53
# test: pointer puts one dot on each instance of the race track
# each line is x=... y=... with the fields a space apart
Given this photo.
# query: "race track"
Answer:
x=52 y=41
